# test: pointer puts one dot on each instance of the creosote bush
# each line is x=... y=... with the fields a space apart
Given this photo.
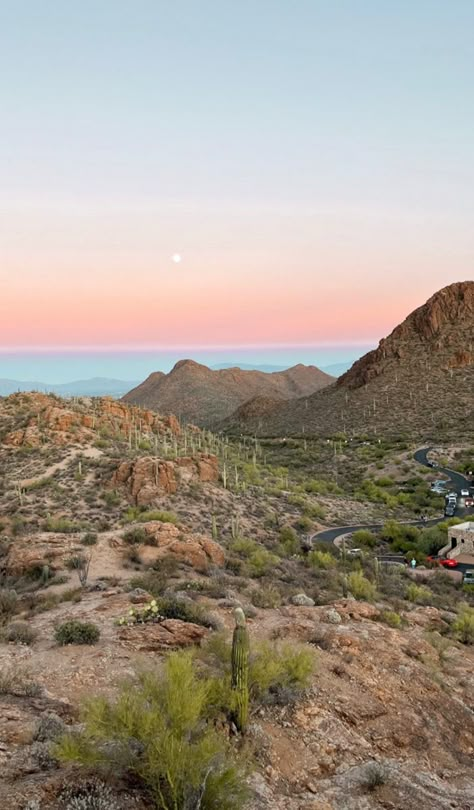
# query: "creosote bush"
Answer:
x=463 y=626
x=391 y=618
x=321 y=559
x=76 y=632
x=419 y=594
x=360 y=586
x=160 y=730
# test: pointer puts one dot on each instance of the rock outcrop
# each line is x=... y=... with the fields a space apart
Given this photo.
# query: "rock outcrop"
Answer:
x=146 y=478
x=56 y=421
x=166 y=539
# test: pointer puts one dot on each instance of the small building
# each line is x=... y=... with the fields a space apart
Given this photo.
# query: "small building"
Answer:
x=460 y=539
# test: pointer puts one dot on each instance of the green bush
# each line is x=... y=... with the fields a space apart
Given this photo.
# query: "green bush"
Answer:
x=261 y=562
x=89 y=539
x=363 y=537
x=391 y=618
x=463 y=626
x=135 y=513
x=267 y=596
x=360 y=586
x=159 y=731
x=135 y=536
x=186 y=611
x=321 y=559
x=61 y=525
x=277 y=672
x=289 y=542
x=76 y=632
x=418 y=594
x=280 y=672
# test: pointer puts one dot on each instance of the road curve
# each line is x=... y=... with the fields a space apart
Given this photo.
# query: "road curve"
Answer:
x=458 y=481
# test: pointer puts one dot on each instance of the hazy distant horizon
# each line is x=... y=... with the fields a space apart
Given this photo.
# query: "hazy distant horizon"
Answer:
x=56 y=367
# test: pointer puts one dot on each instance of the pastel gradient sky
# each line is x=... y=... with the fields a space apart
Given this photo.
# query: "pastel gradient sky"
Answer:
x=312 y=161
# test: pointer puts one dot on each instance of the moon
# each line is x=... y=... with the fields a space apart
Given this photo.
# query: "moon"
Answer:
x=176 y=257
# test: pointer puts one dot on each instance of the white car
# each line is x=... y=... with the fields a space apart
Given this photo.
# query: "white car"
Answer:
x=464 y=493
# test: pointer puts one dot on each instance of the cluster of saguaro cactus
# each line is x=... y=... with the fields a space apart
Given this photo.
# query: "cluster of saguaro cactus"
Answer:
x=240 y=670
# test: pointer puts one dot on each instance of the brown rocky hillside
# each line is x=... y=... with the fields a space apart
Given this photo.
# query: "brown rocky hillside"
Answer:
x=419 y=381
x=197 y=394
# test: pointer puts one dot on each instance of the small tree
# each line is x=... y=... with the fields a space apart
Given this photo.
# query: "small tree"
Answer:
x=160 y=731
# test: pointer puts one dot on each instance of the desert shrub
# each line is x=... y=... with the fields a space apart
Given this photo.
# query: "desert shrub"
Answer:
x=360 y=586
x=391 y=618
x=80 y=565
x=158 y=730
x=111 y=497
x=20 y=633
x=8 y=602
x=90 y=794
x=363 y=537
x=463 y=626
x=89 y=539
x=267 y=596
x=76 y=632
x=169 y=608
x=280 y=672
x=261 y=562
x=17 y=680
x=135 y=513
x=321 y=559
x=374 y=776
x=277 y=672
x=289 y=542
x=418 y=594
x=244 y=546
x=61 y=525
x=303 y=524
x=135 y=536
x=155 y=514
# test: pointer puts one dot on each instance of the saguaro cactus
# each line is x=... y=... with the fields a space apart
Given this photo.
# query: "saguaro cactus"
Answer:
x=240 y=670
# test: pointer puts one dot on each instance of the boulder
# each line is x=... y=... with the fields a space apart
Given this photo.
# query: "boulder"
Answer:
x=168 y=634
x=301 y=600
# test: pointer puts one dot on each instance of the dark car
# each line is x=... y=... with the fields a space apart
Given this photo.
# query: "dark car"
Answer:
x=450 y=509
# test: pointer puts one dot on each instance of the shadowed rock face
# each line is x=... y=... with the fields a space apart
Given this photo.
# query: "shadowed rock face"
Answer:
x=419 y=380
x=205 y=397
x=439 y=326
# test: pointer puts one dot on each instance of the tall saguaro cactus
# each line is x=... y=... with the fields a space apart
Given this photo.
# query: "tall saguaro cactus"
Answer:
x=240 y=669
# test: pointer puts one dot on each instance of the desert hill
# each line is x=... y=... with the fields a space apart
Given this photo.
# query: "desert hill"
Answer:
x=204 y=396
x=419 y=381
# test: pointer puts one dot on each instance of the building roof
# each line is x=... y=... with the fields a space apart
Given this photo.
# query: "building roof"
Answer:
x=468 y=526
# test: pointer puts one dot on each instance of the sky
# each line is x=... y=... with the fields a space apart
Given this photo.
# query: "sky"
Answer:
x=310 y=161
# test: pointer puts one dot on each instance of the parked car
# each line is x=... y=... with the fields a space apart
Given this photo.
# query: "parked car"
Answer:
x=446 y=562
x=468 y=578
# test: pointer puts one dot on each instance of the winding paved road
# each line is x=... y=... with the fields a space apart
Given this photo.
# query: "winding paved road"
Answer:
x=458 y=482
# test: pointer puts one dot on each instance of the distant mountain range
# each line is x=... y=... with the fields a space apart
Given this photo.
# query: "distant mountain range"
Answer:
x=96 y=386
x=104 y=386
x=206 y=396
x=335 y=369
